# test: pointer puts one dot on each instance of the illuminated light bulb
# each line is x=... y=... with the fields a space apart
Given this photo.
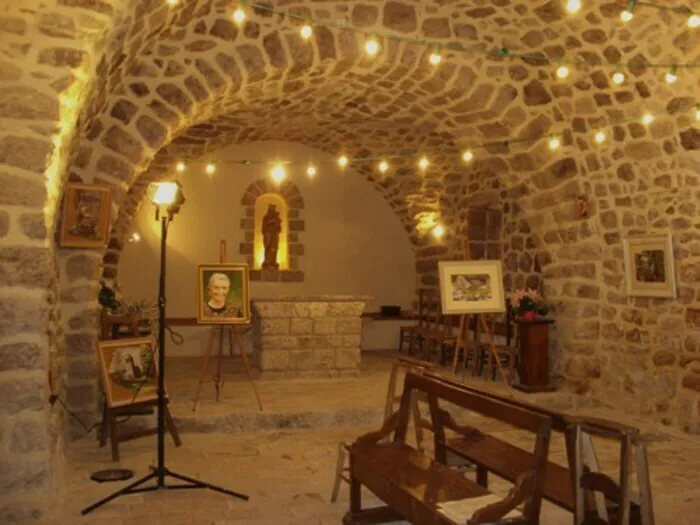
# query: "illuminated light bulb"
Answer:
x=239 y=15
x=573 y=6
x=210 y=169
x=600 y=137
x=697 y=114
x=311 y=171
x=694 y=21
x=671 y=76
x=648 y=118
x=278 y=173
x=626 y=16
x=383 y=166
x=135 y=237
x=562 y=72
x=438 y=231
x=306 y=32
x=171 y=2
x=180 y=167
x=618 y=77
x=435 y=58
x=342 y=161
x=467 y=156
x=372 y=47
x=554 y=143
x=423 y=163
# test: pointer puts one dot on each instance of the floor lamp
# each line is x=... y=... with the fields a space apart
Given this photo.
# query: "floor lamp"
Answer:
x=166 y=196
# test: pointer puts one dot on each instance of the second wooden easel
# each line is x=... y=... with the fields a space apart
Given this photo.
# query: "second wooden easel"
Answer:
x=234 y=338
x=464 y=325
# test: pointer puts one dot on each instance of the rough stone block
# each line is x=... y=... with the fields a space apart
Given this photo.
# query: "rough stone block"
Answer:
x=274 y=360
x=352 y=341
x=274 y=309
x=347 y=358
x=85 y=320
x=274 y=326
x=29 y=356
x=81 y=396
x=301 y=326
x=277 y=342
x=324 y=358
x=352 y=325
x=83 y=266
x=30 y=511
x=25 y=393
x=324 y=326
x=82 y=369
x=29 y=435
x=80 y=345
x=346 y=309
x=301 y=359
x=318 y=309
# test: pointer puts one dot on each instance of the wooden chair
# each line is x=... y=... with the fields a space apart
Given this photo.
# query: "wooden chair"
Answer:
x=417 y=334
x=438 y=332
x=408 y=332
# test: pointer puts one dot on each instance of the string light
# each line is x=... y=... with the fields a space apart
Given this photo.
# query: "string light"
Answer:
x=135 y=237
x=562 y=72
x=439 y=231
x=648 y=118
x=383 y=166
x=618 y=77
x=372 y=47
x=554 y=143
x=278 y=173
x=311 y=171
x=423 y=163
x=180 y=167
x=573 y=6
x=171 y=2
x=600 y=137
x=467 y=155
x=210 y=169
x=697 y=113
x=306 y=32
x=694 y=21
x=628 y=13
x=343 y=161
x=239 y=15
x=671 y=76
x=436 y=56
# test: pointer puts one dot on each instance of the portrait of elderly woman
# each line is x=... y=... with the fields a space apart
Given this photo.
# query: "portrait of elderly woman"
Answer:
x=223 y=294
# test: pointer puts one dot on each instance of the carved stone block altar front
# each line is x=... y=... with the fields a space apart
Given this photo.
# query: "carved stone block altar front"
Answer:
x=308 y=336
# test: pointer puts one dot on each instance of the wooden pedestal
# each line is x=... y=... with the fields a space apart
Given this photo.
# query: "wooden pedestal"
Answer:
x=533 y=369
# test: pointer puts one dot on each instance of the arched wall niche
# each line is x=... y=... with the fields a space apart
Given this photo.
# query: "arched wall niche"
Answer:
x=271 y=203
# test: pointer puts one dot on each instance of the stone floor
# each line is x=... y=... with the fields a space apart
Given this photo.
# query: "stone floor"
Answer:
x=287 y=468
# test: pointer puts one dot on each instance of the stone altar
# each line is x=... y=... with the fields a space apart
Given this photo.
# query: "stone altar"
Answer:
x=316 y=336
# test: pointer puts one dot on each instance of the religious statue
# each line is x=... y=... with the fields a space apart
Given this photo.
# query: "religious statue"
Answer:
x=271 y=228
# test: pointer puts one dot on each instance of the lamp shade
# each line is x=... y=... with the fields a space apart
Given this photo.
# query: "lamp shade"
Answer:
x=164 y=193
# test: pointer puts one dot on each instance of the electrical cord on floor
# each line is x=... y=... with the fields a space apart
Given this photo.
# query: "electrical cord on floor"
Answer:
x=176 y=339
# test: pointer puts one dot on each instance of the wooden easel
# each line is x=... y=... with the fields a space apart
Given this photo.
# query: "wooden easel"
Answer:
x=234 y=336
x=464 y=325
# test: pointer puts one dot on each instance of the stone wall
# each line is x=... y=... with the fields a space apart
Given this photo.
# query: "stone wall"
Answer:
x=299 y=337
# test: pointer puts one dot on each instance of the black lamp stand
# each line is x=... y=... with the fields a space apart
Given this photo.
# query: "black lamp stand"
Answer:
x=161 y=471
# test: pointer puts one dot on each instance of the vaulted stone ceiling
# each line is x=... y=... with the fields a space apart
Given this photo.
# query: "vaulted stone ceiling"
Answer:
x=178 y=82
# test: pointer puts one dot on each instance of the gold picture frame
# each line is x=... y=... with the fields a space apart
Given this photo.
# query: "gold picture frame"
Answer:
x=129 y=370
x=223 y=293
x=85 y=220
x=471 y=287
x=650 y=266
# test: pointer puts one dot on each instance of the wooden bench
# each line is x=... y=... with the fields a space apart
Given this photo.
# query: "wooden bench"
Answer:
x=413 y=485
x=491 y=454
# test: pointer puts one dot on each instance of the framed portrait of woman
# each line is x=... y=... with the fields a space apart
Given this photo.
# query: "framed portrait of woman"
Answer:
x=223 y=296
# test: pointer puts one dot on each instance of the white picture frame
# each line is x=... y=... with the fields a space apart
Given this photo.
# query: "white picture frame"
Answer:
x=471 y=287
x=650 y=266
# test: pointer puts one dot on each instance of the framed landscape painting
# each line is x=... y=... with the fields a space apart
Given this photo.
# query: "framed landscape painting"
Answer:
x=86 y=212
x=129 y=370
x=471 y=287
x=223 y=296
x=649 y=266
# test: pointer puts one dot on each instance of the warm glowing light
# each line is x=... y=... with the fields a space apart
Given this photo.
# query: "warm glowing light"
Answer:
x=423 y=163
x=573 y=6
x=671 y=76
x=311 y=171
x=383 y=166
x=180 y=167
x=562 y=72
x=171 y=2
x=626 y=16
x=467 y=156
x=554 y=143
x=600 y=137
x=343 y=161
x=439 y=231
x=618 y=77
x=306 y=32
x=210 y=169
x=164 y=193
x=239 y=15
x=697 y=115
x=371 y=47
x=135 y=237
x=694 y=21
x=435 y=58
x=278 y=173
x=648 y=118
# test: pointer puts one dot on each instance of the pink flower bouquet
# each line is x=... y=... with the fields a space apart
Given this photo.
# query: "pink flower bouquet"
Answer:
x=528 y=304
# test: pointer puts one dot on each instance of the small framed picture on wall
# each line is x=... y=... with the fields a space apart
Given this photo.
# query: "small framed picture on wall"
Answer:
x=223 y=294
x=87 y=209
x=649 y=266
